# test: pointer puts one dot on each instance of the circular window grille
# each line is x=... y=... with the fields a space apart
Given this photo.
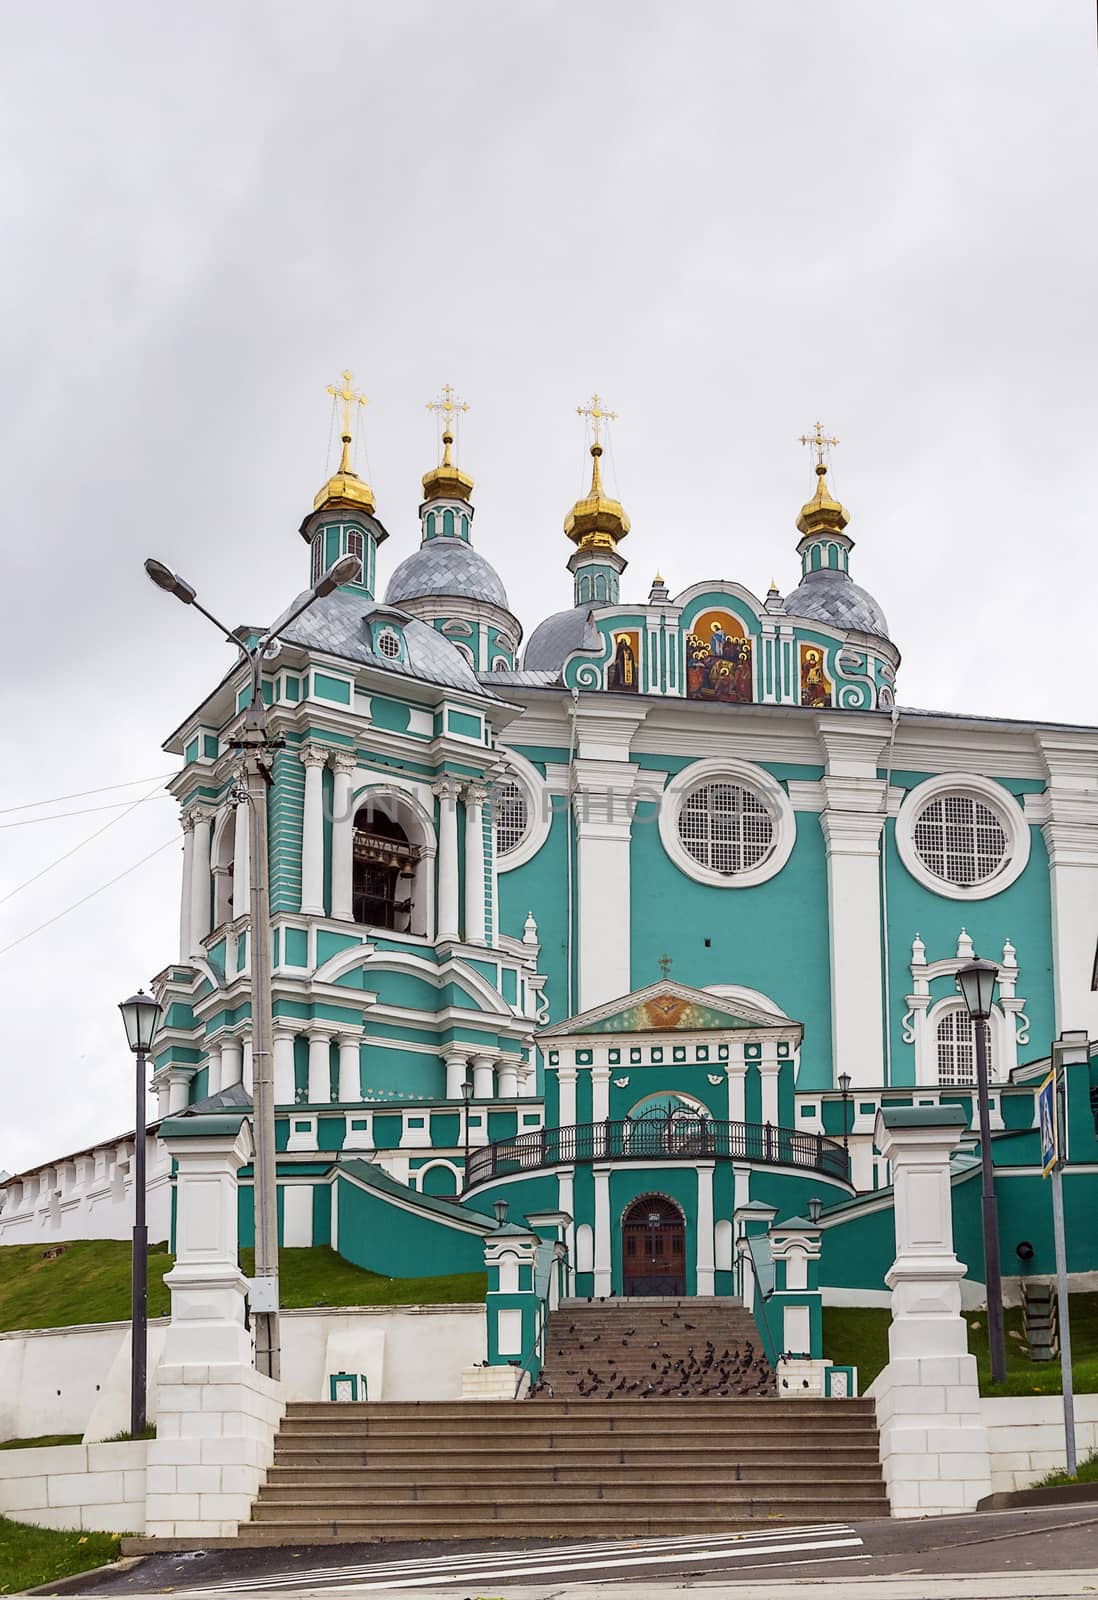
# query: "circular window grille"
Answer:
x=726 y=828
x=960 y=839
x=389 y=645
x=512 y=816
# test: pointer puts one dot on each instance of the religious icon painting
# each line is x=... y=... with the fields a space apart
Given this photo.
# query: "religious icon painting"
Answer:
x=718 y=660
x=621 y=674
x=815 y=687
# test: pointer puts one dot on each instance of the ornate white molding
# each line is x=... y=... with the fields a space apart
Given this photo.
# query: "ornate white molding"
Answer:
x=989 y=793
x=714 y=769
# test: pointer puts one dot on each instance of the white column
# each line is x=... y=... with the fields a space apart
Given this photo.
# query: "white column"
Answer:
x=566 y=1203
x=852 y=822
x=736 y=1073
x=508 y=1080
x=242 y=860
x=312 y=832
x=284 y=1083
x=483 y=1078
x=200 y=879
x=600 y=1093
x=246 y=1077
x=457 y=1068
x=601 y=806
x=213 y=1068
x=343 y=837
x=186 y=890
x=602 y=1231
x=320 y=1082
x=447 y=792
x=163 y=1094
x=566 y=1084
x=178 y=1083
x=768 y=1072
x=1071 y=836
x=350 y=1086
x=705 y=1255
x=474 y=863
x=232 y=1062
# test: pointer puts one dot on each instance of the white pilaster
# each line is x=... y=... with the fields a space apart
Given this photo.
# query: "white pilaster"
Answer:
x=242 y=860
x=200 y=878
x=343 y=836
x=457 y=1068
x=705 y=1252
x=232 y=1062
x=484 y=1087
x=213 y=1068
x=312 y=832
x=600 y=1093
x=602 y=803
x=320 y=1082
x=852 y=822
x=602 y=1231
x=508 y=1080
x=736 y=1073
x=178 y=1085
x=566 y=1203
x=246 y=1063
x=283 y=1053
x=1071 y=836
x=768 y=1072
x=474 y=863
x=186 y=889
x=566 y=1084
x=350 y=1086
x=446 y=791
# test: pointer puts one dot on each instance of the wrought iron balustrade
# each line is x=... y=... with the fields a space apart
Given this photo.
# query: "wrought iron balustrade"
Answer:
x=666 y=1139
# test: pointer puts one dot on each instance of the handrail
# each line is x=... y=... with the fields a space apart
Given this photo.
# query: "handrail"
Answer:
x=762 y=1269
x=543 y=1268
x=668 y=1138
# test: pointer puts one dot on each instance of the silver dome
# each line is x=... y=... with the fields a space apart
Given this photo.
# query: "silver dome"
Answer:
x=832 y=597
x=553 y=640
x=337 y=624
x=446 y=567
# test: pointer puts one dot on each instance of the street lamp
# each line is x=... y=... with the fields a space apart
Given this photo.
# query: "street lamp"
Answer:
x=140 y=1016
x=255 y=746
x=976 y=982
x=844 y=1090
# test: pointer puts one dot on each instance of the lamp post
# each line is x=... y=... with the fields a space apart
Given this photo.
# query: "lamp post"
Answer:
x=140 y=1017
x=255 y=746
x=844 y=1090
x=977 y=984
x=466 y=1091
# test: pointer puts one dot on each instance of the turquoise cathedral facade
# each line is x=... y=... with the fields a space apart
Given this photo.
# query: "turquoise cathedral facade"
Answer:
x=635 y=928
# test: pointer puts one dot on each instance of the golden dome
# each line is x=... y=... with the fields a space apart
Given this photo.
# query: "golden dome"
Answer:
x=446 y=481
x=596 y=522
x=345 y=487
x=821 y=514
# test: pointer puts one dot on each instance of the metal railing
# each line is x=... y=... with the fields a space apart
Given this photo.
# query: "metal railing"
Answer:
x=663 y=1138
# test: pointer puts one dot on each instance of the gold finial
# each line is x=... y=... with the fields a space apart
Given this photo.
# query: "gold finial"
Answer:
x=348 y=398
x=822 y=514
x=820 y=442
x=596 y=521
x=448 y=407
x=446 y=481
x=594 y=410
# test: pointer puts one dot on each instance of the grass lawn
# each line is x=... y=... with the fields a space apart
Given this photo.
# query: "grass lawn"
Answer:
x=30 y=1556
x=42 y=1439
x=90 y=1282
x=1087 y=1472
x=859 y=1334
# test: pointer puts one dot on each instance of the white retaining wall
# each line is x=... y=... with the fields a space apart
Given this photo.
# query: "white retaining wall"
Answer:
x=96 y=1488
x=1026 y=1436
x=87 y=1196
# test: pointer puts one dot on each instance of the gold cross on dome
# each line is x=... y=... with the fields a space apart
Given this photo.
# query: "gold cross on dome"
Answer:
x=348 y=398
x=594 y=410
x=819 y=441
x=447 y=406
x=664 y=964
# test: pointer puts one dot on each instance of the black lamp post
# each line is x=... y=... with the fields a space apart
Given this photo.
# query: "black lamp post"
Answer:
x=844 y=1090
x=140 y=1015
x=466 y=1091
x=977 y=984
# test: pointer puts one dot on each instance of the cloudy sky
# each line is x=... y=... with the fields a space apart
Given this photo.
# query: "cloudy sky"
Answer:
x=730 y=217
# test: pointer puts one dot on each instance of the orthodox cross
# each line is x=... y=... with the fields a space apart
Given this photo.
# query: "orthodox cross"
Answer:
x=819 y=441
x=348 y=398
x=447 y=408
x=594 y=410
x=664 y=964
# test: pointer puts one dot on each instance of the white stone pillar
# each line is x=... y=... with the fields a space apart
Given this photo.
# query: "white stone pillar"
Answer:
x=1071 y=836
x=852 y=822
x=312 y=832
x=246 y=1063
x=508 y=1080
x=600 y=1094
x=200 y=879
x=213 y=1068
x=474 y=863
x=705 y=1251
x=178 y=1084
x=736 y=1073
x=457 y=1070
x=350 y=1085
x=320 y=1079
x=242 y=860
x=232 y=1061
x=602 y=1231
x=186 y=890
x=163 y=1093
x=343 y=836
x=484 y=1078
x=566 y=1086
x=934 y=1446
x=446 y=791
x=768 y=1073
x=285 y=1089
x=566 y=1203
x=602 y=808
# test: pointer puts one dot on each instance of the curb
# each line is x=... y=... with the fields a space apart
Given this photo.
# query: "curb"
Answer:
x=1066 y=1494
x=76 y=1582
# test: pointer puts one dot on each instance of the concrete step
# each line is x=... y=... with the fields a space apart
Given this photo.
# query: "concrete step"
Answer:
x=652 y=1461
x=292 y=1533
x=406 y=1412
x=631 y=1435
x=607 y=1483
x=614 y=1515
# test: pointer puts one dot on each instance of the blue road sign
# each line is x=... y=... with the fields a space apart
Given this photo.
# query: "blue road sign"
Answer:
x=1046 y=1110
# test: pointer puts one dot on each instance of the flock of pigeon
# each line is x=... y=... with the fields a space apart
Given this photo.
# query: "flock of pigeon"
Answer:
x=698 y=1371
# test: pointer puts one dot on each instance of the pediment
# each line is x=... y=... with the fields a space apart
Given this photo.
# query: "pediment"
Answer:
x=667 y=1007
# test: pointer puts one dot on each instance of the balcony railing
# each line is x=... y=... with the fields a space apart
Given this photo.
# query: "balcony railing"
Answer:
x=663 y=1139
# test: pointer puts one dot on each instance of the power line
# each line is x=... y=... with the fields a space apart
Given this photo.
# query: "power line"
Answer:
x=82 y=794
x=85 y=811
x=90 y=896
x=57 y=862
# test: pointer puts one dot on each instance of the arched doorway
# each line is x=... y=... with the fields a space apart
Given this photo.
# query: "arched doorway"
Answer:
x=653 y=1248
x=384 y=868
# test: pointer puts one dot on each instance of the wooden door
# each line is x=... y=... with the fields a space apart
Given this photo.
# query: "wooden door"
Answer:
x=653 y=1252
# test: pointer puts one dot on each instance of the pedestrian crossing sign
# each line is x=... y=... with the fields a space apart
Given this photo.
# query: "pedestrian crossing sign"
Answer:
x=1046 y=1115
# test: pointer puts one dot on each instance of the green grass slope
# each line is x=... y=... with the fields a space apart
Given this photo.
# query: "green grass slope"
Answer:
x=32 y=1556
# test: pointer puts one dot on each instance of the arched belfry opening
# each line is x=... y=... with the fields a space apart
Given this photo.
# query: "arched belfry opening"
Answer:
x=389 y=849
x=653 y=1248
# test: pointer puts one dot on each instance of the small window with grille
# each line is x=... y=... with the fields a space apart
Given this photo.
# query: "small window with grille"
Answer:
x=318 y=557
x=354 y=548
x=388 y=644
x=726 y=828
x=957 y=1050
x=512 y=815
x=960 y=839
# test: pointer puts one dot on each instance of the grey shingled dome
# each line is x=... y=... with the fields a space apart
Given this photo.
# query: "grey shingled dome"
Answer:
x=832 y=597
x=553 y=640
x=446 y=567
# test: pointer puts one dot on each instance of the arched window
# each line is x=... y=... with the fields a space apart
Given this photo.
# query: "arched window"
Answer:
x=512 y=815
x=957 y=1049
x=318 y=557
x=448 y=523
x=354 y=548
x=384 y=871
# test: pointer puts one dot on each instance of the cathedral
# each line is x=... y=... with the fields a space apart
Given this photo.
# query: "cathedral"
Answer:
x=634 y=923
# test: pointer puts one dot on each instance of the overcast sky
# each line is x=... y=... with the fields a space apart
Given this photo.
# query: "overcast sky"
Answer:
x=730 y=217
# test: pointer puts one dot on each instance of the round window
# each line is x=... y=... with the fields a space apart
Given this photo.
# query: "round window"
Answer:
x=960 y=839
x=725 y=827
x=389 y=645
x=511 y=815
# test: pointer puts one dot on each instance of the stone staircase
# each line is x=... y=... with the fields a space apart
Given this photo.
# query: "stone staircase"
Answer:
x=703 y=1348
x=564 y=1469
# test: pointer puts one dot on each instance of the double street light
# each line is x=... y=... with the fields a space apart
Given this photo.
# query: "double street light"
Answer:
x=255 y=745
x=140 y=1016
x=976 y=982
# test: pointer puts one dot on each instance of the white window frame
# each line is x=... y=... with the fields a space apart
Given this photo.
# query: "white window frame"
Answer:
x=539 y=812
x=989 y=793
x=727 y=770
